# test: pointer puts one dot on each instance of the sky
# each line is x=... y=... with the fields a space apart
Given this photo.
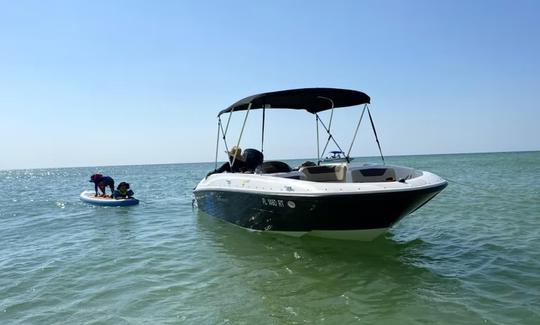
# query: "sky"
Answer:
x=97 y=83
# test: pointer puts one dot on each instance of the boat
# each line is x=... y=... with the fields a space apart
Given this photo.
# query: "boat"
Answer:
x=338 y=201
x=91 y=198
x=337 y=156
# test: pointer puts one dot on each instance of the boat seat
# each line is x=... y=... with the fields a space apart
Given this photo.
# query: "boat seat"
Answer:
x=270 y=167
x=325 y=173
x=253 y=158
x=372 y=175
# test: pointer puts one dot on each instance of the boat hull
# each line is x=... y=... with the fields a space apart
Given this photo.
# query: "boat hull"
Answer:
x=361 y=216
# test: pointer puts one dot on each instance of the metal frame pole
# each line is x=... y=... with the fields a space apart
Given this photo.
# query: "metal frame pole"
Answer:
x=241 y=132
x=376 y=137
x=356 y=131
x=330 y=137
x=262 y=135
x=317 y=128
x=217 y=142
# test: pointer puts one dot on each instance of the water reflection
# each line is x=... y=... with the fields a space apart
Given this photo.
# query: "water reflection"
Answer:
x=360 y=279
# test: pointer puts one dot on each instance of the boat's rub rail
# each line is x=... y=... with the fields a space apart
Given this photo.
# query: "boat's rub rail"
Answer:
x=288 y=187
x=318 y=193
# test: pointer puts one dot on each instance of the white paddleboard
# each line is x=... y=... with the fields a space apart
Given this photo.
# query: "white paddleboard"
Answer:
x=89 y=197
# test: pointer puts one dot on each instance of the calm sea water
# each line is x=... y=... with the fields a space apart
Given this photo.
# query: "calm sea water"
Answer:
x=471 y=256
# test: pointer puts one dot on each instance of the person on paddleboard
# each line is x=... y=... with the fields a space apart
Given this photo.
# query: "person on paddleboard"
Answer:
x=123 y=191
x=102 y=182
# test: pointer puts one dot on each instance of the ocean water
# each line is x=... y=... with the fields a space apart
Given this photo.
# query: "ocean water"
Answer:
x=470 y=256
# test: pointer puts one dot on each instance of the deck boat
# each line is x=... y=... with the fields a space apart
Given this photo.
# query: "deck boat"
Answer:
x=337 y=156
x=340 y=201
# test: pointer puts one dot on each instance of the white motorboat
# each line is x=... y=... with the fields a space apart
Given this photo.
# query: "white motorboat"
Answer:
x=338 y=200
x=337 y=156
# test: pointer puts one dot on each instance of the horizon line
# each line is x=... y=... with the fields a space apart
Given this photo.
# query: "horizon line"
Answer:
x=208 y=162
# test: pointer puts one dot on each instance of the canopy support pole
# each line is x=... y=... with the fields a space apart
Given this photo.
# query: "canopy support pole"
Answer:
x=330 y=137
x=376 y=137
x=356 y=131
x=329 y=123
x=228 y=121
x=217 y=142
x=262 y=136
x=226 y=129
x=224 y=136
x=317 y=128
x=231 y=163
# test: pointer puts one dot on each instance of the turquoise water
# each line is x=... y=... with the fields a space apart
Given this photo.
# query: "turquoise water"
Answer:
x=471 y=256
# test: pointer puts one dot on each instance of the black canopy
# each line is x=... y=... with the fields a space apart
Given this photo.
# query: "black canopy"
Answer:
x=313 y=100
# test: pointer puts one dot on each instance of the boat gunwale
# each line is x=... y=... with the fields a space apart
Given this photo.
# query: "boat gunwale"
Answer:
x=442 y=184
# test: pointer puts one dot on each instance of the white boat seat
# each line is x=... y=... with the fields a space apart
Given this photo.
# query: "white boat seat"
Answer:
x=370 y=175
x=325 y=173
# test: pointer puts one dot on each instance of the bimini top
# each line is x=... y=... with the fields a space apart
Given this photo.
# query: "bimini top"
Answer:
x=313 y=100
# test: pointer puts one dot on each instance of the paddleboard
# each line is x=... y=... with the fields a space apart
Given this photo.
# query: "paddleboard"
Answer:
x=90 y=198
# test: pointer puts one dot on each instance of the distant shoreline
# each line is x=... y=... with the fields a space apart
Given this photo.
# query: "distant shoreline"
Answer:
x=221 y=161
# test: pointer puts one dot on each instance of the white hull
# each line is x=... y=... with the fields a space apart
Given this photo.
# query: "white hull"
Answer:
x=358 y=207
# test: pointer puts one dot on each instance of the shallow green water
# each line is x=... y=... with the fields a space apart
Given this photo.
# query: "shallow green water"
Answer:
x=472 y=255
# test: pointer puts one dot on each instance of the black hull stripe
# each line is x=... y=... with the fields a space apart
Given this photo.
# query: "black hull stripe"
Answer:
x=282 y=212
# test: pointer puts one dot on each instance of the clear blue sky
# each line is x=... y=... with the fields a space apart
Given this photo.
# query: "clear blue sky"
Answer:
x=85 y=83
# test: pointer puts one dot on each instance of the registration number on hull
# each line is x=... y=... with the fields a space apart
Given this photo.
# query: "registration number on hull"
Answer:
x=277 y=203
